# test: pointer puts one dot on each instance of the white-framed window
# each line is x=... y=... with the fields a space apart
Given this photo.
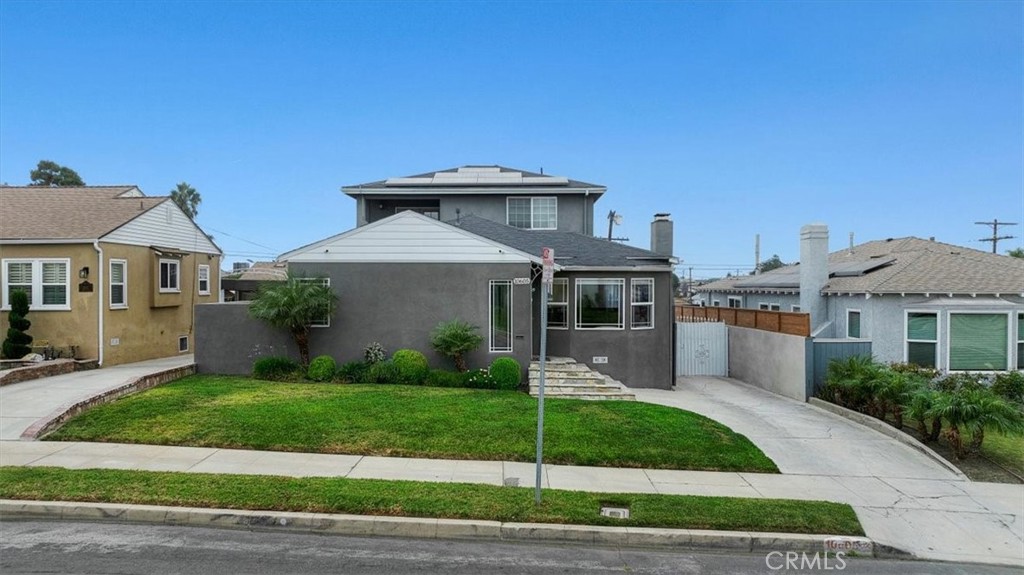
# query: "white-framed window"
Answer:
x=641 y=303
x=533 y=213
x=170 y=276
x=774 y=307
x=118 y=284
x=763 y=306
x=203 y=276
x=324 y=321
x=978 y=341
x=47 y=282
x=558 y=304
x=734 y=301
x=794 y=308
x=182 y=343
x=599 y=303
x=500 y=304
x=853 y=323
x=922 y=337
x=716 y=303
x=1020 y=341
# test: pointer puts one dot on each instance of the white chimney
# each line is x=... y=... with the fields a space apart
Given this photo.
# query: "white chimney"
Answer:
x=661 y=235
x=813 y=271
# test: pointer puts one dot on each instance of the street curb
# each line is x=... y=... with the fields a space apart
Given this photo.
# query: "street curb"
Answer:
x=65 y=412
x=887 y=430
x=427 y=528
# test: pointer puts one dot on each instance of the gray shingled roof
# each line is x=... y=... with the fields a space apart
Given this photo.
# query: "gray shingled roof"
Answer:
x=530 y=180
x=86 y=212
x=571 y=249
x=904 y=265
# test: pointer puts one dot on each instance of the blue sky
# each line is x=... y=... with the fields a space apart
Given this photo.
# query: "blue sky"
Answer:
x=882 y=119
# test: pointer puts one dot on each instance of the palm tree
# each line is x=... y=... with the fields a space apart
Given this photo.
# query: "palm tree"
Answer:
x=293 y=305
x=187 y=198
x=455 y=338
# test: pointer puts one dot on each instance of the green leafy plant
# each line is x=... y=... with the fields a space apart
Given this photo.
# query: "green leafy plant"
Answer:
x=18 y=343
x=412 y=365
x=322 y=368
x=479 y=379
x=444 y=378
x=374 y=353
x=293 y=305
x=455 y=339
x=920 y=409
x=384 y=372
x=506 y=372
x=974 y=410
x=1009 y=385
x=274 y=368
x=352 y=372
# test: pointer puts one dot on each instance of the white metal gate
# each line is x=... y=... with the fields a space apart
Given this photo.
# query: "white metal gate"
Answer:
x=702 y=348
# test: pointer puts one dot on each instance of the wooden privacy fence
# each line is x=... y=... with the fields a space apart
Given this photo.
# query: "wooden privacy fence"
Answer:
x=792 y=323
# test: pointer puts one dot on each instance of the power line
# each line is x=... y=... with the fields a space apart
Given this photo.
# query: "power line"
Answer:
x=994 y=224
x=275 y=250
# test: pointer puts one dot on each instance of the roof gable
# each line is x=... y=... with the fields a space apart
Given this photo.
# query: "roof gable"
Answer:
x=407 y=237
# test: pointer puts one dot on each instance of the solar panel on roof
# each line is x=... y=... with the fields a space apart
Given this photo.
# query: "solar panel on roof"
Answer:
x=855 y=269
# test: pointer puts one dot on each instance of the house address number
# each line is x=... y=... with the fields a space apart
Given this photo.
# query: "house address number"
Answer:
x=520 y=281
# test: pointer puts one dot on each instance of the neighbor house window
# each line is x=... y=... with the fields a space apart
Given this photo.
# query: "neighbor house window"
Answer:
x=922 y=338
x=325 y=320
x=642 y=303
x=558 y=304
x=853 y=323
x=736 y=302
x=183 y=343
x=118 y=284
x=599 y=303
x=716 y=303
x=533 y=213
x=501 y=315
x=794 y=308
x=169 y=276
x=765 y=306
x=1020 y=341
x=204 y=280
x=978 y=341
x=45 y=281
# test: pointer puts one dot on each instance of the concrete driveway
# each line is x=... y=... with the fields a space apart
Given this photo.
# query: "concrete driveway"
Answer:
x=22 y=404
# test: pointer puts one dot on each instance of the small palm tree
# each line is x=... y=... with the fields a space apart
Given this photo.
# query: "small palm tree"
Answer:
x=187 y=198
x=293 y=305
x=455 y=338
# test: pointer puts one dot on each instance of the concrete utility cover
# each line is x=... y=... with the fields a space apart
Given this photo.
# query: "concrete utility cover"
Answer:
x=615 y=512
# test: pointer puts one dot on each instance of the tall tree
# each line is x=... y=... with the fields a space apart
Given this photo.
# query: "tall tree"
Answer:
x=187 y=198
x=53 y=175
x=772 y=263
x=293 y=305
x=1016 y=253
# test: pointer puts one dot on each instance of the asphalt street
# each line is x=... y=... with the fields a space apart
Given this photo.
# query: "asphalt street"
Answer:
x=51 y=547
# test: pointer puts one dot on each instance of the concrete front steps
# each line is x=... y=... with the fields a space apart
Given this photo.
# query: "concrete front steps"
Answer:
x=565 y=378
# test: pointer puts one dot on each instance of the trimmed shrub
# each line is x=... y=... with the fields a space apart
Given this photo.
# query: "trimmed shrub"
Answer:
x=412 y=365
x=275 y=368
x=322 y=368
x=384 y=372
x=374 y=353
x=1009 y=385
x=352 y=372
x=444 y=378
x=18 y=343
x=506 y=373
x=479 y=379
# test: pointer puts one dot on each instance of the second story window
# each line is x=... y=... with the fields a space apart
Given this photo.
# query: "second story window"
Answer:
x=533 y=213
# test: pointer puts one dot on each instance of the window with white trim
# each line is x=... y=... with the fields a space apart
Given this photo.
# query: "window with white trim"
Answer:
x=734 y=302
x=118 y=284
x=1020 y=341
x=922 y=338
x=558 y=304
x=641 y=303
x=203 y=276
x=716 y=303
x=853 y=323
x=500 y=332
x=599 y=303
x=533 y=213
x=325 y=320
x=774 y=307
x=794 y=308
x=182 y=343
x=170 y=276
x=979 y=341
x=763 y=306
x=46 y=282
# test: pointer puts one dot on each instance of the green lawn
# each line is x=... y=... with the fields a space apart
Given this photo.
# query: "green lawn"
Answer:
x=1006 y=450
x=236 y=412
x=420 y=499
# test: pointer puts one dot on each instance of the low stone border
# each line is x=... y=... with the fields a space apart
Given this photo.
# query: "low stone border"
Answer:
x=337 y=524
x=886 y=429
x=67 y=411
x=45 y=369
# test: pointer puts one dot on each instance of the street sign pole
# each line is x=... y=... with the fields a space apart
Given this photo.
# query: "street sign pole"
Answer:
x=548 y=262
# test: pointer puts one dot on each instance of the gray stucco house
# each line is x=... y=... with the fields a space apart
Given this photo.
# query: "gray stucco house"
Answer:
x=466 y=243
x=919 y=301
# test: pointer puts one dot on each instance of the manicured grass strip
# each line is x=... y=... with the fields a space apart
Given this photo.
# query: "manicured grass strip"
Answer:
x=1007 y=450
x=404 y=421
x=422 y=499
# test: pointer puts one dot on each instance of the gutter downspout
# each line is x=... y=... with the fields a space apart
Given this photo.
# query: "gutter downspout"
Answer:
x=99 y=306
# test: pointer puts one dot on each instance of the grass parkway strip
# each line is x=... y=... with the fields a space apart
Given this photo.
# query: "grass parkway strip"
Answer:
x=423 y=499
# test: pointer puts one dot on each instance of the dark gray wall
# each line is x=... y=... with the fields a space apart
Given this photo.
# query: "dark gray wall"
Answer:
x=229 y=341
x=575 y=211
x=637 y=358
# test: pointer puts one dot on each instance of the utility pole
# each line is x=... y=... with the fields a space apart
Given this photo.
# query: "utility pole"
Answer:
x=757 y=254
x=994 y=224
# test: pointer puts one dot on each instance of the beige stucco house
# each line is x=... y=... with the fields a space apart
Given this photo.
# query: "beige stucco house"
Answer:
x=111 y=273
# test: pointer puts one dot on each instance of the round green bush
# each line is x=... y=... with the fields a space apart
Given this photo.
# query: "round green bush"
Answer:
x=506 y=373
x=412 y=365
x=275 y=368
x=384 y=372
x=322 y=368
